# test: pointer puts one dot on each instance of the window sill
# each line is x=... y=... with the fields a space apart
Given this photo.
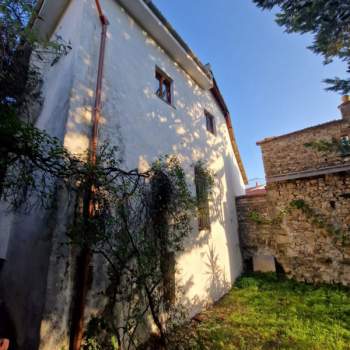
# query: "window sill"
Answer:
x=166 y=102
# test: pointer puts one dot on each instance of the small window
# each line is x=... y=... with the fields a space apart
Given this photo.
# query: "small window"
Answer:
x=163 y=86
x=345 y=145
x=345 y=140
x=210 y=121
x=202 y=199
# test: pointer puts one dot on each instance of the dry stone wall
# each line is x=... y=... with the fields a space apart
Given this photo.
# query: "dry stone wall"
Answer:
x=287 y=154
x=303 y=221
x=306 y=250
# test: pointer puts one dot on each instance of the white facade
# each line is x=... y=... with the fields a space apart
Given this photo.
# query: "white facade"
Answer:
x=148 y=127
x=145 y=127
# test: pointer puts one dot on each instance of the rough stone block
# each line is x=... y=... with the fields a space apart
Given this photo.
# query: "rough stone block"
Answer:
x=264 y=263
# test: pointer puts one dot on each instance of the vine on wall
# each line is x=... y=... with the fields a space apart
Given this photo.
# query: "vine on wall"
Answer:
x=341 y=146
x=259 y=219
x=310 y=213
x=139 y=219
x=139 y=223
x=319 y=220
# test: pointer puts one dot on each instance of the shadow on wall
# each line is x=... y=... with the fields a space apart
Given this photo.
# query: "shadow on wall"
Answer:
x=36 y=247
x=216 y=275
x=216 y=284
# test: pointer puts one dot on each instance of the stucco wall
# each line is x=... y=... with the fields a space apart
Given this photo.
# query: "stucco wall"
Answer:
x=23 y=284
x=147 y=128
x=38 y=277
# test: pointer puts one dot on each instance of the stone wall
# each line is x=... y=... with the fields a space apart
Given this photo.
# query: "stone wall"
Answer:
x=306 y=250
x=287 y=154
x=303 y=220
x=255 y=239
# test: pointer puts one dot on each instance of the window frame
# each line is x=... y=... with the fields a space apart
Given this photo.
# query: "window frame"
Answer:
x=161 y=77
x=344 y=145
x=210 y=122
x=203 y=203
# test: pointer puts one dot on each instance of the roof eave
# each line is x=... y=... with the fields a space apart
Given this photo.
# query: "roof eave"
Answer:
x=222 y=104
x=153 y=22
x=48 y=15
x=149 y=18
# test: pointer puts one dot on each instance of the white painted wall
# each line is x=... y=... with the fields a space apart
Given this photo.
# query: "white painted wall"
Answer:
x=149 y=128
x=145 y=127
x=26 y=239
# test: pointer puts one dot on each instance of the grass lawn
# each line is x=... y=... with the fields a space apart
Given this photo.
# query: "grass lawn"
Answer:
x=265 y=312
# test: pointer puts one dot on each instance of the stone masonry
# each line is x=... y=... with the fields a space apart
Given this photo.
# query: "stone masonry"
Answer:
x=310 y=240
x=287 y=154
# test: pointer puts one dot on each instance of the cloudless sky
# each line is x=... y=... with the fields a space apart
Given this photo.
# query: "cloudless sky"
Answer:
x=271 y=82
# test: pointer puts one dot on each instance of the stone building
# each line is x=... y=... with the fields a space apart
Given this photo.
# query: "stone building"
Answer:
x=156 y=98
x=303 y=219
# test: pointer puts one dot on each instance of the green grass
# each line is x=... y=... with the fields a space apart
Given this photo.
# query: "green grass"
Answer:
x=265 y=312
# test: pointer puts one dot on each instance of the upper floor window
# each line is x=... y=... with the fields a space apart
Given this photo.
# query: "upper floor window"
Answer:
x=210 y=121
x=163 y=86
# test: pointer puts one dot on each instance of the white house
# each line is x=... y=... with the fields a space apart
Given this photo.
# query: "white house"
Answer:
x=156 y=98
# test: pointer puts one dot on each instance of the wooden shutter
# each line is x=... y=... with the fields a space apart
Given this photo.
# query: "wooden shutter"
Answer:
x=202 y=200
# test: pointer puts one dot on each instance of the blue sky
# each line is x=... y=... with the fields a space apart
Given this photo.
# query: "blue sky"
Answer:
x=271 y=82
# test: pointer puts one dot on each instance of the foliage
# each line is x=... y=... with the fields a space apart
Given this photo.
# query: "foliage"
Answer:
x=327 y=20
x=206 y=177
x=315 y=217
x=341 y=147
x=34 y=160
x=259 y=219
x=264 y=311
x=139 y=225
x=136 y=221
x=99 y=336
x=22 y=146
x=18 y=79
x=319 y=220
x=16 y=39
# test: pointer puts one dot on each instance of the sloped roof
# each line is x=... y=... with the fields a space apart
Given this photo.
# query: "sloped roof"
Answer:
x=152 y=20
x=256 y=190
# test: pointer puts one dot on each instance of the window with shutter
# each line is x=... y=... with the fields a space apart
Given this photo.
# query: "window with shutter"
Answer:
x=201 y=183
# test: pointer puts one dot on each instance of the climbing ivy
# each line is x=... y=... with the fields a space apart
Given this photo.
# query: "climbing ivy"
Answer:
x=259 y=219
x=319 y=220
x=341 y=146
x=137 y=221
x=315 y=217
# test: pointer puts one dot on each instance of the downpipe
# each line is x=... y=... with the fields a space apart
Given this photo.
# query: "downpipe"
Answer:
x=84 y=268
